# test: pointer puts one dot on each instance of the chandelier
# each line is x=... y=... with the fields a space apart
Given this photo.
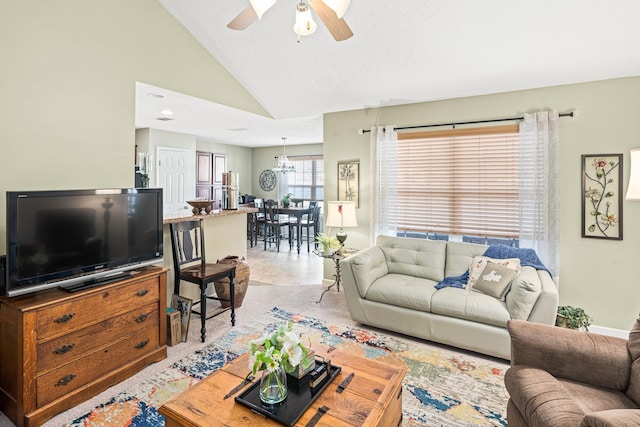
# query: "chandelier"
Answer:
x=282 y=162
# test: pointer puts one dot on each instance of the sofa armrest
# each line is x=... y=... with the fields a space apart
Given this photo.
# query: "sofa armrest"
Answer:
x=570 y=354
x=362 y=269
x=546 y=307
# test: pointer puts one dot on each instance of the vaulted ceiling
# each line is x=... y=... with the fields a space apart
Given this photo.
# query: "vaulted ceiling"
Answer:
x=402 y=52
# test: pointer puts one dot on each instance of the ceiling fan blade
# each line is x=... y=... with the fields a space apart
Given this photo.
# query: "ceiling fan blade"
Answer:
x=245 y=18
x=336 y=26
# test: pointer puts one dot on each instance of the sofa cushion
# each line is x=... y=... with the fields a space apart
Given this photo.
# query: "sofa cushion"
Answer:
x=403 y=291
x=634 y=351
x=495 y=280
x=524 y=292
x=459 y=255
x=478 y=264
x=414 y=257
x=469 y=305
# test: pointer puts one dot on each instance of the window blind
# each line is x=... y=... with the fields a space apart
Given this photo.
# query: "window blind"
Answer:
x=460 y=181
x=307 y=180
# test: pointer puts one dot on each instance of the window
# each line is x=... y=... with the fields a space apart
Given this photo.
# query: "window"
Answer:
x=308 y=179
x=461 y=182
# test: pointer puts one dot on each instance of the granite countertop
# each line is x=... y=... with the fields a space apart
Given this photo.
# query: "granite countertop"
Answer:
x=187 y=215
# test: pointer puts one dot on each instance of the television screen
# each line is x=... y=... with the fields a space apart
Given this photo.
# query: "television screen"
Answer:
x=73 y=238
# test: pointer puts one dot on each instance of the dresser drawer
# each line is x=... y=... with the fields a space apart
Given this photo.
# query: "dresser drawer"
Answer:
x=94 y=307
x=62 y=350
x=67 y=378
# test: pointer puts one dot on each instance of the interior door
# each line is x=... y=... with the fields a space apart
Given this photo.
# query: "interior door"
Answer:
x=175 y=175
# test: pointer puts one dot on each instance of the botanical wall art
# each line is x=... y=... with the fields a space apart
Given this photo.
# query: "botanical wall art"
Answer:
x=348 y=181
x=602 y=196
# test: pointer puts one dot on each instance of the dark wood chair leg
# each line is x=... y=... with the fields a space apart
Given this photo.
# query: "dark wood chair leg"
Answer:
x=203 y=311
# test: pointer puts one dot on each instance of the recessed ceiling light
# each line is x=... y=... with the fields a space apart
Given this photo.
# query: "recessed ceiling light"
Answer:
x=166 y=112
x=164 y=119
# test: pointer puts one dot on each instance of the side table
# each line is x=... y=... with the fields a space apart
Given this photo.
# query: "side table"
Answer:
x=336 y=256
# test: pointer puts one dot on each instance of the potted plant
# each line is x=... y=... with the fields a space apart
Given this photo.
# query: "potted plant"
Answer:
x=286 y=200
x=329 y=244
x=573 y=318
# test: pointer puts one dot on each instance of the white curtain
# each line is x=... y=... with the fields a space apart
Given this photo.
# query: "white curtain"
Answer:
x=384 y=167
x=539 y=187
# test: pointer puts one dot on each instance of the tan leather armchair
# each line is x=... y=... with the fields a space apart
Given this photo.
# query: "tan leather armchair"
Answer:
x=563 y=377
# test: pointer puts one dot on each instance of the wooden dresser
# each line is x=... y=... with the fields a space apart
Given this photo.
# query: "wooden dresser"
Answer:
x=57 y=349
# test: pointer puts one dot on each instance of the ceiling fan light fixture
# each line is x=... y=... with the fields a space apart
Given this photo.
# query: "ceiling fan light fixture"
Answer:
x=261 y=6
x=305 y=25
x=338 y=6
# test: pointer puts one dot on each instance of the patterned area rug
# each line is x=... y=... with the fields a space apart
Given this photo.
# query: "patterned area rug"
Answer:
x=441 y=387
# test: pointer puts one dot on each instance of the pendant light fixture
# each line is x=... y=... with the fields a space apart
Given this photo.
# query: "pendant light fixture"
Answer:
x=282 y=163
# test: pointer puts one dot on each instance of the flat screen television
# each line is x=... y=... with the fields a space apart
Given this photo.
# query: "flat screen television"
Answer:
x=80 y=238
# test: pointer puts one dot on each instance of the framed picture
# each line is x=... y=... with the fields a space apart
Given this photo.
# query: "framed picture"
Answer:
x=183 y=305
x=349 y=181
x=602 y=196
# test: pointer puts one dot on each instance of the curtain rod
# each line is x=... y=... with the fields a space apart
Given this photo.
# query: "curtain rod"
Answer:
x=510 y=119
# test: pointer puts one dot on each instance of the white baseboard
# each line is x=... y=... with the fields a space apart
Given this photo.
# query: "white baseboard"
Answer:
x=612 y=332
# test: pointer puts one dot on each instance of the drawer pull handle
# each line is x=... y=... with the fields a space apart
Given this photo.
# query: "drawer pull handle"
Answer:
x=65 y=380
x=142 y=344
x=141 y=318
x=142 y=292
x=64 y=349
x=65 y=318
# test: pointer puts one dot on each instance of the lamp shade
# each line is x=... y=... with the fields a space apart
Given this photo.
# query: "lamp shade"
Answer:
x=305 y=25
x=261 y=6
x=633 y=190
x=341 y=214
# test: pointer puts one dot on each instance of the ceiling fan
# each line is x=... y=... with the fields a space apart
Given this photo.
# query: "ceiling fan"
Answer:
x=330 y=13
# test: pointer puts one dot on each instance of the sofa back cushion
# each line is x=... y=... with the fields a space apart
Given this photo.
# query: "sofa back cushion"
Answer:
x=634 y=350
x=459 y=255
x=414 y=257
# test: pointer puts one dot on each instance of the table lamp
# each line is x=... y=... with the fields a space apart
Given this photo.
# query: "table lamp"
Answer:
x=341 y=214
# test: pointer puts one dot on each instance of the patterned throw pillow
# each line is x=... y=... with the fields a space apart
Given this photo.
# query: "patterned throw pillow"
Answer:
x=495 y=280
x=478 y=264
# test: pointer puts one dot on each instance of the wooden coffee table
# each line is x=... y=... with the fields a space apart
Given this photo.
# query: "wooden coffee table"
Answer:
x=372 y=398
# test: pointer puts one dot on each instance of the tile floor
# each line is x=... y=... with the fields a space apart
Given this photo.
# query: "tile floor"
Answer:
x=284 y=268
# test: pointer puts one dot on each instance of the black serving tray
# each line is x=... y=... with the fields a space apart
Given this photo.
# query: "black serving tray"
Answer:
x=299 y=397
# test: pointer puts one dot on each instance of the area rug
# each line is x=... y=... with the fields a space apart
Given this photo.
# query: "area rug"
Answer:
x=441 y=387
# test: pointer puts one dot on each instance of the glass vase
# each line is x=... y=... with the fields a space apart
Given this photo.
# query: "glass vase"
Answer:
x=273 y=386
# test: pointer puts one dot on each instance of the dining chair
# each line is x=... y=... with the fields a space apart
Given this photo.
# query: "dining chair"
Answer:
x=273 y=224
x=311 y=221
x=190 y=265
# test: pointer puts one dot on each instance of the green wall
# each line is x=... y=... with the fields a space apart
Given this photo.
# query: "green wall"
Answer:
x=67 y=88
x=598 y=275
x=264 y=158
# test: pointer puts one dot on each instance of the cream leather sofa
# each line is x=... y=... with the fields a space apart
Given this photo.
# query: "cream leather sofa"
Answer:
x=392 y=286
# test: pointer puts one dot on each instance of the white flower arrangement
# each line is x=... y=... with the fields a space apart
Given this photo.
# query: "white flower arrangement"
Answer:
x=280 y=348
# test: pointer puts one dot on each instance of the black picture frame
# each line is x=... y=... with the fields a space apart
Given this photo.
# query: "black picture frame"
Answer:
x=601 y=176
